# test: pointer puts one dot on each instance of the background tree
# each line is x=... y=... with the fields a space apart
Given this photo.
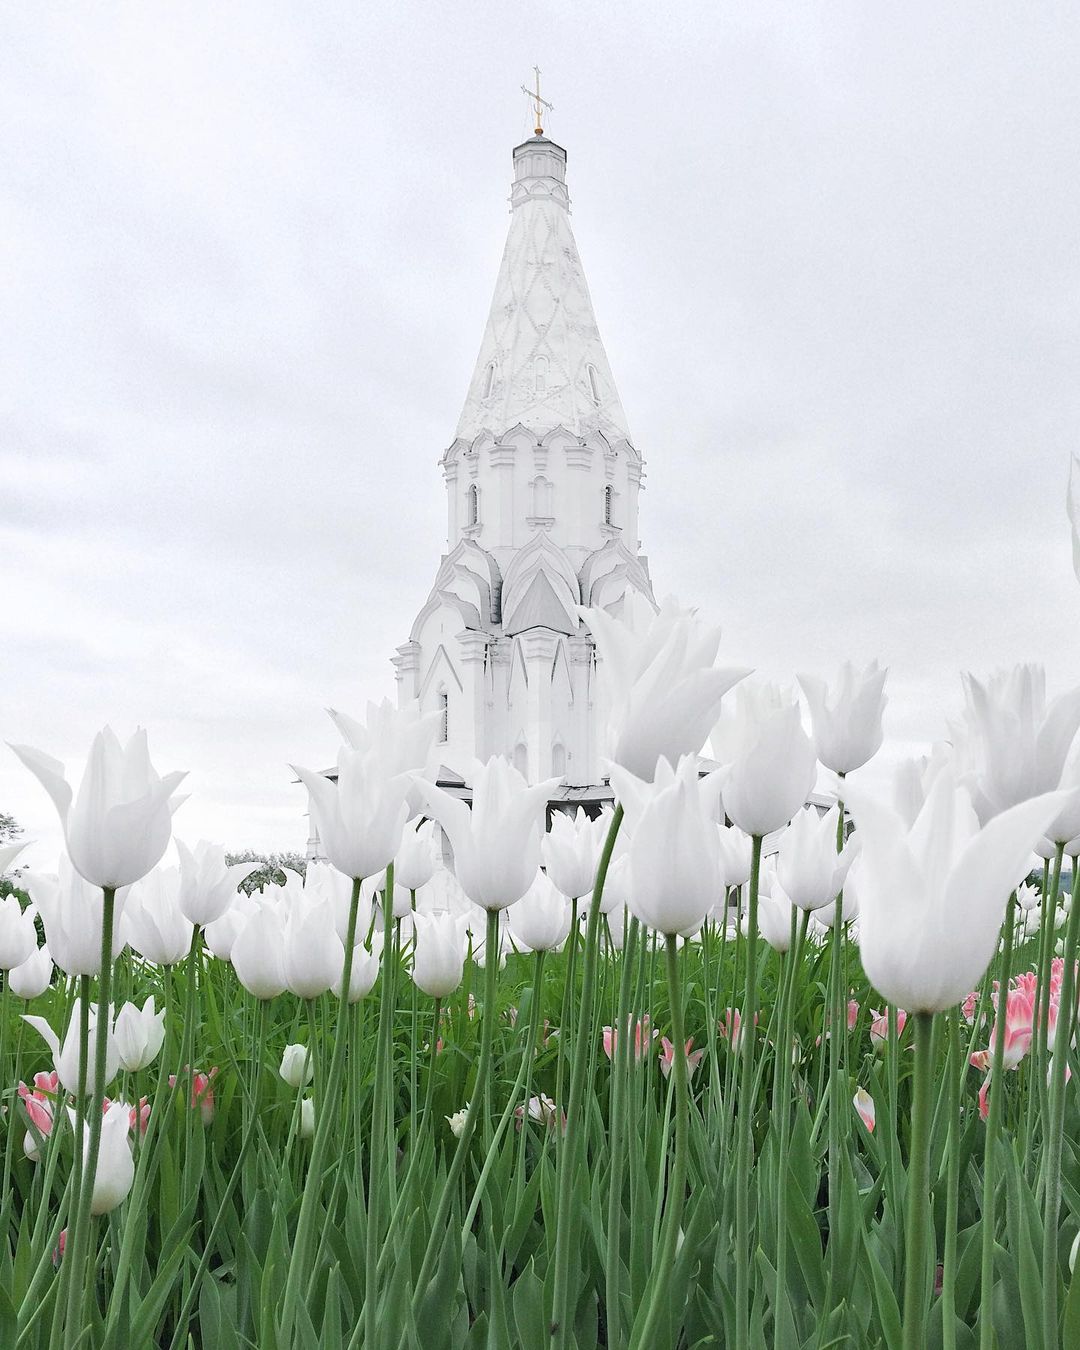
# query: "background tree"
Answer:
x=272 y=867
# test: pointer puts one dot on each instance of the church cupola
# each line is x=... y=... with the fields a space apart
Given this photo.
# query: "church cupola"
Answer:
x=539 y=171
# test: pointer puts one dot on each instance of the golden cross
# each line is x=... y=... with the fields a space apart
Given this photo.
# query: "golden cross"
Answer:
x=540 y=103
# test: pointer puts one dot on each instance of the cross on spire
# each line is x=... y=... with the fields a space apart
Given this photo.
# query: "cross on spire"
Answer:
x=539 y=104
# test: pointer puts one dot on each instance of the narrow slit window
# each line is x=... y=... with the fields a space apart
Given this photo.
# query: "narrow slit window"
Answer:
x=540 y=369
x=594 y=384
x=609 y=499
x=473 y=504
x=444 y=718
x=489 y=379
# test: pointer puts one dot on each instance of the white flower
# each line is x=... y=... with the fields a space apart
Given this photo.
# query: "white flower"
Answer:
x=208 y=884
x=297 y=1067
x=846 y=719
x=658 y=683
x=314 y=956
x=496 y=844
x=808 y=865
x=307 y=1119
x=140 y=1034
x=571 y=849
x=72 y=911
x=121 y=821
x=66 y=1057
x=154 y=923
x=115 y=1165
x=674 y=846
x=438 y=953
x=417 y=858
x=18 y=936
x=258 y=952
x=457 y=1121
x=541 y=918
x=34 y=976
x=933 y=895
x=768 y=758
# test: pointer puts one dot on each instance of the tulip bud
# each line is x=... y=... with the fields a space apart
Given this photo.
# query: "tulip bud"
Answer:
x=457 y=1122
x=154 y=923
x=417 y=858
x=18 y=937
x=115 y=1165
x=257 y=953
x=297 y=1068
x=34 y=976
x=307 y=1119
x=864 y=1105
x=541 y=918
x=438 y=954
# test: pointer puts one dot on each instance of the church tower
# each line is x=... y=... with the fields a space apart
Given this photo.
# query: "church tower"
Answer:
x=542 y=481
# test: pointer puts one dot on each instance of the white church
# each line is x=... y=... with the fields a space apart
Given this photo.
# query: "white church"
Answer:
x=542 y=482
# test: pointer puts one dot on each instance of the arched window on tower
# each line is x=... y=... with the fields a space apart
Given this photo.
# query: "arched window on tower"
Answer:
x=542 y=491
x=473 y=503
x=609 y=503
x=489 y=380
x=521 y=759
x=594 y=383
x=540 y=370
x=558 y=759
x=443 y=707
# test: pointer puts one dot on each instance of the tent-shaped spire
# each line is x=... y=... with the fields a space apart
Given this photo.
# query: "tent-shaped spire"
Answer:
x=541 y=361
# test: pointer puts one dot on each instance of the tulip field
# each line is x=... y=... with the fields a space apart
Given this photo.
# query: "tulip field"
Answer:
x=713 y=1067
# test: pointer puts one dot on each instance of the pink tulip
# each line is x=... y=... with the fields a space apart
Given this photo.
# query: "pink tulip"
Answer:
x=643 y=1038
x=667 y=1057
x=1018 y=1027
x=879 y=1027
x=980 y=1059
x=731 y=1027
x=543 y=1110
x=202 y=1092
x=969 y=1006
x=984 y=1100
x=58 y=1250
x=864 y=1105
x=852 y=1013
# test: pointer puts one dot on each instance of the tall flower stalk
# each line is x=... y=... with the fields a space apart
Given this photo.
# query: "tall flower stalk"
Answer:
x=916 y=1293
x=745 y=1116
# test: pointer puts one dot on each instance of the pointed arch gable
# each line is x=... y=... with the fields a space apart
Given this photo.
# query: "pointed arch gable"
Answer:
x=439 y=667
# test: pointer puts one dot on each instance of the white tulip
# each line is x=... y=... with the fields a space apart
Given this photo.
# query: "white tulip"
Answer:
x=72 y=911
x=418 y=857
x=769 y=761
x=67 y=1057
x=541 y=918
x=115 y=1166
x=297 y=1067
x=140 y=1034
x=208 y=884
x=154 y=923
x=438 y=953
x=846 y=719
x=497 y=843
x=120 y=824
x=258 y=952
x=18 y=936
x=33 y=977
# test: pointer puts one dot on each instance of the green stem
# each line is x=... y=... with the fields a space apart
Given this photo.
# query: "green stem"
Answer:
x=916 y=1301
x=324 y=1124
x=620 y=1071
x=1052 y=1176
x=80 y=1275
x=993 y=1124
x=645 y=1333
x=745 y=1115
x=560 y=1318
x=487 y=1028
x=952 y=1184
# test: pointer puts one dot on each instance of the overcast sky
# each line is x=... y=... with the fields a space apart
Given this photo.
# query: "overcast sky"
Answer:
x=247 y=253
